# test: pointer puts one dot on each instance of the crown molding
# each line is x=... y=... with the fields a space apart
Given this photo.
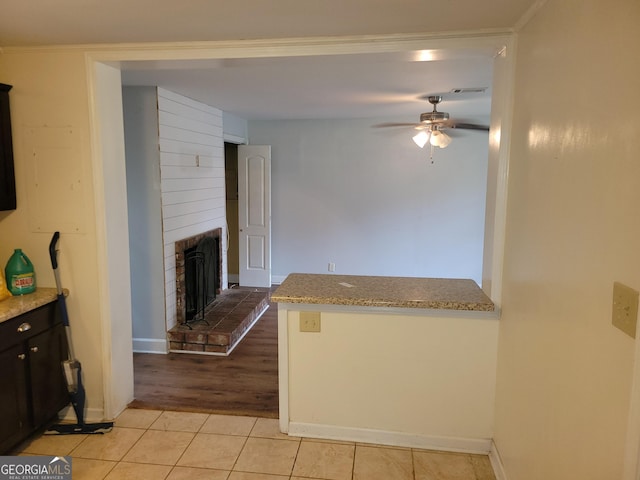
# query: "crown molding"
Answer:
x=275 y=46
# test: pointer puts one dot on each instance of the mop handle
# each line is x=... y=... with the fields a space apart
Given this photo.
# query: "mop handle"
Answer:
x=62 y=303
x=53 y=251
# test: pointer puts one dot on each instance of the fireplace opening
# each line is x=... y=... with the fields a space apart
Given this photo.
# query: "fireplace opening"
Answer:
x=201 y=277
x=198 y=275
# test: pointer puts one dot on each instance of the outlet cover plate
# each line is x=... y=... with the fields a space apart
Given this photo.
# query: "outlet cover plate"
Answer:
x=310 y=321
x=625 y=308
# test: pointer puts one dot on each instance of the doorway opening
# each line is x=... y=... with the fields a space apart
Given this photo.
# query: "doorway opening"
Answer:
x=231 y=188
x=106 y=80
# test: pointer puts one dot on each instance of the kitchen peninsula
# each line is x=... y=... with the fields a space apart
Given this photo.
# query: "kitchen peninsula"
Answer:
x=393 y=360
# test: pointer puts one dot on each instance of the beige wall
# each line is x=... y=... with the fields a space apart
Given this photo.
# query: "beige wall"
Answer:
x=50 y=90
x=564 y=372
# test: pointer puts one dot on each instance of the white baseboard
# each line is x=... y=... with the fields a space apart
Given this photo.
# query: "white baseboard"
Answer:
x=150 y=345
x=496 y=463
x=399 y=439
x=275 y=279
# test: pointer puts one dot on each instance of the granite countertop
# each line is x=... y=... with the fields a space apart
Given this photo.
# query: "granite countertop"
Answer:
x=371 y=291
x=13 y=306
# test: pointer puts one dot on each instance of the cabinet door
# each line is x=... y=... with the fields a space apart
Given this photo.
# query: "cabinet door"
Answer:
x=14 y=419
x=49 y=393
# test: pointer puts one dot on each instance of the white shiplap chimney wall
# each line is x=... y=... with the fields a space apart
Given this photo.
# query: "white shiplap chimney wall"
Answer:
x=192 y=179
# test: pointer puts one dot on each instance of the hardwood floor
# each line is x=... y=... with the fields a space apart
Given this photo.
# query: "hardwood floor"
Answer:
x=244 y=383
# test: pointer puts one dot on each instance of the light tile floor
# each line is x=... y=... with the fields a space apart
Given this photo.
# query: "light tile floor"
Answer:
x=154 y=444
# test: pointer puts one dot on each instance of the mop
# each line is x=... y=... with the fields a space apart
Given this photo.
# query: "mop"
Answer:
x=71 y=367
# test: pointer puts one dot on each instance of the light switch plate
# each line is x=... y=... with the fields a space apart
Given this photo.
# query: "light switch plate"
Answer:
x=309 y=321
x=625 y=308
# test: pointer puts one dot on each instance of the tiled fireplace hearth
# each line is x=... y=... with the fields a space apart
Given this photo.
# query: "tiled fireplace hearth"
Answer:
x=228 y=319
x=229 y=313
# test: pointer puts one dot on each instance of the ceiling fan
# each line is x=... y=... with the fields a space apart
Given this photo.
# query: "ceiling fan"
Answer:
x=431 y=126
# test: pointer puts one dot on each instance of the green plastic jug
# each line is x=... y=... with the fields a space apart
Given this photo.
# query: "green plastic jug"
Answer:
x=19 y=274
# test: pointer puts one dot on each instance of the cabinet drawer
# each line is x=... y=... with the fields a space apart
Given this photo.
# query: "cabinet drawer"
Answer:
x=28 y=324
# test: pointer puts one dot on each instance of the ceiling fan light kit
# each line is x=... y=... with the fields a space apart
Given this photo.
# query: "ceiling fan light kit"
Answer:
x=421 y=138
x=439 y=139
x=436 y=138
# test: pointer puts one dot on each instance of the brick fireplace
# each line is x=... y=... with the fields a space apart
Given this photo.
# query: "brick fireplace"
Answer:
x=182 y=247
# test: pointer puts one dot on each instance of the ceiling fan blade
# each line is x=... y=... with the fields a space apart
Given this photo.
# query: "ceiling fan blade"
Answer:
x=465 y=125
x=472 y=126
x=453 y=133
x=386 y=125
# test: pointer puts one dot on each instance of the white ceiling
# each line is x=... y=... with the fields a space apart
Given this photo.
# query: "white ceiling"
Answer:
x=387 y=85
x=344 y=86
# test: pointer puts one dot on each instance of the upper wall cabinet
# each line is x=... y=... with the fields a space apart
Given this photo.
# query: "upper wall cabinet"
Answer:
x=7 y=176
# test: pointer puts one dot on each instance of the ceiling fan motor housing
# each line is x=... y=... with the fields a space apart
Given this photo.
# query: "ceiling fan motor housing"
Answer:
x=434 y=116
x=431 y=117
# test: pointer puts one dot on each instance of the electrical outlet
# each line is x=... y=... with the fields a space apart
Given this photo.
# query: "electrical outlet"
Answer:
x=625 y=308
x=309 y=321
x=332 y=267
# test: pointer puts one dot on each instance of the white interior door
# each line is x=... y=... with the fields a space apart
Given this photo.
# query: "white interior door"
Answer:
x=254 y=215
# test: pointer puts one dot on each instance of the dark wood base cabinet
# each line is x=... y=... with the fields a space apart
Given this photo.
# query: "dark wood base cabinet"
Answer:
x=33 y=389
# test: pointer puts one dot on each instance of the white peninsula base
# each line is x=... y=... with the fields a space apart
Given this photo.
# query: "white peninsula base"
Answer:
x=406 y=376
